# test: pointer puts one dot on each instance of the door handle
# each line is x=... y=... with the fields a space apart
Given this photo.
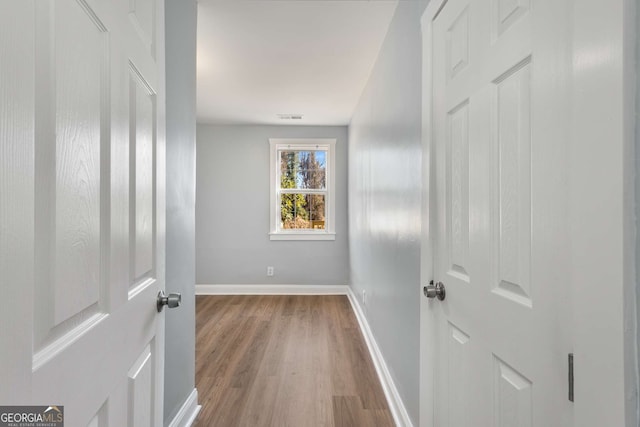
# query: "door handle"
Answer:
x=171 y=300
x=435 y=290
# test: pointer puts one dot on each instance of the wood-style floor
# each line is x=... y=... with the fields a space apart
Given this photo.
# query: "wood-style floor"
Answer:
x=284 y=361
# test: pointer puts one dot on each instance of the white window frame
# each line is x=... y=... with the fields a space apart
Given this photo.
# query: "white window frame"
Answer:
x=276 y=144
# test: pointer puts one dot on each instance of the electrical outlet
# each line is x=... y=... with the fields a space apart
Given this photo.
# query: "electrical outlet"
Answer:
x=270 y=271
x=364 y=297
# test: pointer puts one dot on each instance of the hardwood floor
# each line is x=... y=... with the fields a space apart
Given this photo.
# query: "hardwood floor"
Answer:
x=284 y=361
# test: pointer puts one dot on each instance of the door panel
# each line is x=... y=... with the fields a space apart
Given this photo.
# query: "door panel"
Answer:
x=511 y=132
x=459 y=372
x=458 y=191
x=142 y=16
x=506 y=13
x=501 y=336
x=140 y=398
x=512 y=397
x=142 y=118
x=458 y=44
x=80 y=75
x=82 y=209
x=69 y=176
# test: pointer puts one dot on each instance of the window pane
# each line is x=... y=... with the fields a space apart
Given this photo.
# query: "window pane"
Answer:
x=303 y=169
x=302 y=211
x=288 y=169
x=317 y=214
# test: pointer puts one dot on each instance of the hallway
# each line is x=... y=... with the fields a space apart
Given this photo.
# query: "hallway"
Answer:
x=284 y=361
x=398 y=152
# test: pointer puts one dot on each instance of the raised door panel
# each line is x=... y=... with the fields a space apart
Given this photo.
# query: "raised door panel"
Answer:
x=512 y=397
x=141 y=390
x=95 y=422
x=460 y=360
x=71 y=174
x=142 y=15
x=508 y=12
x=512 y=135
x=458 y=44
x=458 y=191
x=80 y=105
x=100 y=419
x=142 y=184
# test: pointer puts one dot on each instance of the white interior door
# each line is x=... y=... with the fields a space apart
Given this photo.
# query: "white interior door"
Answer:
x=82 y=208
x=498 y=120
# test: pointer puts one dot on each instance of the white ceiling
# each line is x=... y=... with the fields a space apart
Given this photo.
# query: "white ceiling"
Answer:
x=261 y=58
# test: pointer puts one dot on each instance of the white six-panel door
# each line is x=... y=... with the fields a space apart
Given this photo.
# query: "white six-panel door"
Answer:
x=82 y=208
x=499 y=126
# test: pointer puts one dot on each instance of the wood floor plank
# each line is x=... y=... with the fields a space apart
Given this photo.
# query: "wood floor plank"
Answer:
x=284 y=361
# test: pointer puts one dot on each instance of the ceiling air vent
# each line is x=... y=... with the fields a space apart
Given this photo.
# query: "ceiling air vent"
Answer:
x=290 y=116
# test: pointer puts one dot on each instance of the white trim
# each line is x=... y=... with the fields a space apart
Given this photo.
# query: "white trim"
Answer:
x=267 y=289
x=309 y=235
x=188 y=411
x=326 y=143
x=600 y=202
x=427 y=332
x=398 y=410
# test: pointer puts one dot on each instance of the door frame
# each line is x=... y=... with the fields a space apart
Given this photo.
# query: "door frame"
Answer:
x=428 y=335
x=601 y=153
x=603 y=255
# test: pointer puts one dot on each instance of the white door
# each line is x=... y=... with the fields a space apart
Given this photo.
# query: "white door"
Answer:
x=499 y=124
x=82 y=208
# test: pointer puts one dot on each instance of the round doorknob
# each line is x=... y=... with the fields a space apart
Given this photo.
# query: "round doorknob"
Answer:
x=171 y=300
x=435 y=290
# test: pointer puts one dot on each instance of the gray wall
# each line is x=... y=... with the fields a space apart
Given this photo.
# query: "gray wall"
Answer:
x=232 y=211
x=181 y=144
x=385 y=200
x=637 y=199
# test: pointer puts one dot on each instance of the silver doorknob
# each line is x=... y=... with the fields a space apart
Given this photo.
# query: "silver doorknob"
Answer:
x=435 y=291
x=171 y=300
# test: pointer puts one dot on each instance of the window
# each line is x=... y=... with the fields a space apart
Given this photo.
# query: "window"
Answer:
x=302 y=189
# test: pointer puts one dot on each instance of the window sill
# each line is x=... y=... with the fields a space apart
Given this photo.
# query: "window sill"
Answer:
x=302 y=236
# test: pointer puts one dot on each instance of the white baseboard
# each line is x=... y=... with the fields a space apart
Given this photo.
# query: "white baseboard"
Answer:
x=272 y=289
x=398 y=410
x=188 y=412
